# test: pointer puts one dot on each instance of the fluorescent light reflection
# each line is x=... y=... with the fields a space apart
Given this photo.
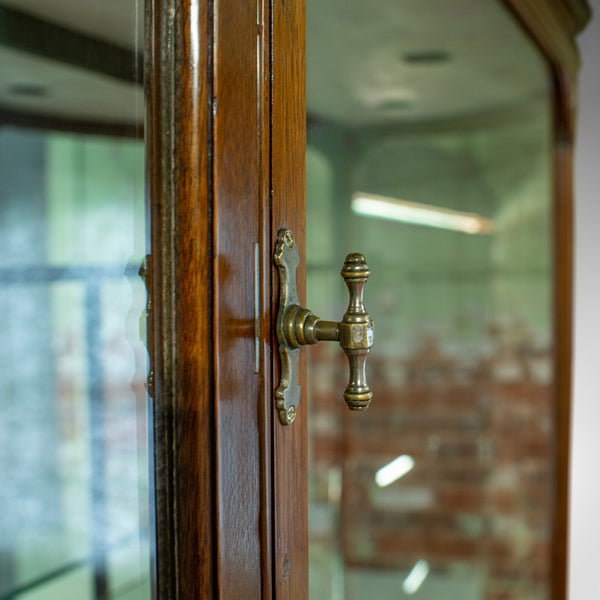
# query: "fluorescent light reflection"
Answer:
x=391 y=472
x=382 y=207
x=416 y=577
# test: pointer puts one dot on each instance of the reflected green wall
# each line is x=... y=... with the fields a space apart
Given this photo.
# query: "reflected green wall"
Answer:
x=429 y=281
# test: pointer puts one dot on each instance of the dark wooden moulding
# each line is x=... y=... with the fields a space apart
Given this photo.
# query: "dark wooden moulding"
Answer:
x=213 y=184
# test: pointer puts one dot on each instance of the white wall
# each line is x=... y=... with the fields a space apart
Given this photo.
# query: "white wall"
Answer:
x=585 y=468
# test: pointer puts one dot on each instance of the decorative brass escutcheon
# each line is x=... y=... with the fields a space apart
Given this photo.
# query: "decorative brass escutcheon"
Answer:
x=298 y=326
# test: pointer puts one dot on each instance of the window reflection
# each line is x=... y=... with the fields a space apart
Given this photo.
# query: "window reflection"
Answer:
x=73 y=455
x=73 y=437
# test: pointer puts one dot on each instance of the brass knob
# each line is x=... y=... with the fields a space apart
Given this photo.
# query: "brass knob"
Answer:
x=356 y=332
x=298 y=326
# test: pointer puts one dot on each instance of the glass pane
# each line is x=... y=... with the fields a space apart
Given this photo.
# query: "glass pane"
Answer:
x=74 y=508
x=429 y=150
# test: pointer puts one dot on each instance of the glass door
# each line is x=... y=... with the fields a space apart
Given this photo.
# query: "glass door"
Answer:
x=74 y=458
x=429 y=146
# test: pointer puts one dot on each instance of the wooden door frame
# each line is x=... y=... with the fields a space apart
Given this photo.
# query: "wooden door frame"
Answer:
x=213 y=192
x=225 y=134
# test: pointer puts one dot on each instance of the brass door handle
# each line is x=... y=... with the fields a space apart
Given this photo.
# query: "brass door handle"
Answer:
x=298 y=326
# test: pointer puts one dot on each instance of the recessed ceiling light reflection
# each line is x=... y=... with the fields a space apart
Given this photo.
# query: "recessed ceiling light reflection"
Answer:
x=416 y=577
x=392 y=209
x=31 y=90
x=393 y=471
x=395 y=104
x=426 y=57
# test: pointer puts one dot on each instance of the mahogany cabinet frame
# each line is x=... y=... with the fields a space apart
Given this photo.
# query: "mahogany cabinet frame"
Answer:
x=225 y=135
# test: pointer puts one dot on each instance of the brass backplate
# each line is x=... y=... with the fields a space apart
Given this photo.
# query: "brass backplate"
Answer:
x=287 y=259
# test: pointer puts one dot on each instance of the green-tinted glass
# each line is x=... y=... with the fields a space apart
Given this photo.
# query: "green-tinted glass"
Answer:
x=74 y=499
x=429 y=150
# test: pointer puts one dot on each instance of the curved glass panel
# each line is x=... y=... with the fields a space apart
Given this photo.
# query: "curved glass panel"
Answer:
x=429 y=150
x=74 y=510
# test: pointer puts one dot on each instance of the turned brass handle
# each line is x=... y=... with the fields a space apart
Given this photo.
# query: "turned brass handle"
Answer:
x=297 y=326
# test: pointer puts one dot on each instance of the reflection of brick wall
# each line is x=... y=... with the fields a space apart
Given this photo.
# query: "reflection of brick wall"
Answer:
x=480 y=492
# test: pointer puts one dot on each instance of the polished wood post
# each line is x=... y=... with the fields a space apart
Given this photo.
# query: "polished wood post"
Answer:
x=208 y=172
x=180 y=207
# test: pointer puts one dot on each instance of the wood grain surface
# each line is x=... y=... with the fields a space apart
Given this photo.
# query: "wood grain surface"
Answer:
x=208 y=181
x=288 y=188
x=179 y=200
x=237 y=184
